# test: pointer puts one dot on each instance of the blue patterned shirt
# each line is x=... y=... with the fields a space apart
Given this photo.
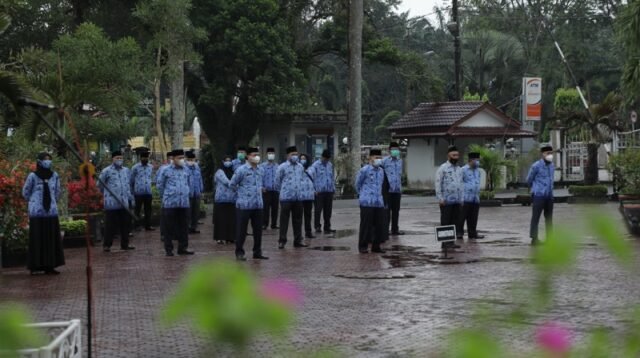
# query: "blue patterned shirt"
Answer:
x=159 y=172
x=197 y=186
x=141 y=179
x=393 y=167
x=289 y=181
x=471 y=179
x=118 y=180
x=322 y=174
x=269 y=170
x=369 y=186
x=307 y=190
x=224 y=193
x=449 y=185
x=237 y=163
x=33 y=190
x=247 y=182
x=174 y=186
x=540 y=179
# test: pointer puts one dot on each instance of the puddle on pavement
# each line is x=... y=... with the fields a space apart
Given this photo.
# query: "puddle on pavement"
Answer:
x=399 y=256
x=342 y=233
x=330 y=248
x=366 y=276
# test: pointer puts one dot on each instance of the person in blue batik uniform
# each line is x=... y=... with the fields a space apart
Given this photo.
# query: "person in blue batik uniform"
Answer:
x=540 y=181
x=369 y=185
x=42 y=191
x=141 y=187
x=117 y=201
x=471 y=205
x=247 y=182
x=270 y=194
x=308 y=196
x=449 y=191
x=195 y=192
x=241 y=158
x=393 y=168
x=289 y=179
x=323 y=177
x=159 y=174
x=224 y=207
x=174 y=187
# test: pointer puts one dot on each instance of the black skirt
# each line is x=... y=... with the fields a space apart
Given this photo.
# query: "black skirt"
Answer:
x=45 y=244
x=224 y=221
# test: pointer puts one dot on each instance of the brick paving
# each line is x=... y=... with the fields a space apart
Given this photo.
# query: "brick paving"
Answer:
x=400 y=304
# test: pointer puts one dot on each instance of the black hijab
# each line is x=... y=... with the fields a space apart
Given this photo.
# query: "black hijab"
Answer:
x=45 y=174
x=227 y=171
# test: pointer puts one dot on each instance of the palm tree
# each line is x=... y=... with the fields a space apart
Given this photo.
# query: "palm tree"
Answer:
x=11 y=87
x=628 y=26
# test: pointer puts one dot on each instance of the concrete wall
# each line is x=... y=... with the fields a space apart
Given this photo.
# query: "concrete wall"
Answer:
x=483 y=119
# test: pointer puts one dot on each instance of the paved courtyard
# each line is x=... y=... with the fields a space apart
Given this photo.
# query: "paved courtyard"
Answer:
x=400 y=304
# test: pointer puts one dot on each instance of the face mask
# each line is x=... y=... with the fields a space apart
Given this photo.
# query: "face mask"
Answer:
x=294 y=159
x=144 y=161
x=303 y=161
x=118 y=162
x=170 y=161
x=255 y=159
x=271 y=156
x=180 y=163
x=395 y=153
x=377 y=162
x=549 y=158
x=241 y=156
x=45 y=163
x=453 y=161
x=477 y=163
x=191 y=164
x=227 y=164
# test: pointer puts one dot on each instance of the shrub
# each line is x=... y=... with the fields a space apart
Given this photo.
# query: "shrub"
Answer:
x=73 y=227
x=591 y=191
x=487 y=195
x=81 y=199
x=14 y=217
x=625 y=167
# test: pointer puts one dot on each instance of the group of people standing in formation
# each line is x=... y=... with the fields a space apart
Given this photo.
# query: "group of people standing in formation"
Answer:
x=268 y=194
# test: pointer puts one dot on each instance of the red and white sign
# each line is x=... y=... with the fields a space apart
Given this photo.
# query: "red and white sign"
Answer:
x=532 y=98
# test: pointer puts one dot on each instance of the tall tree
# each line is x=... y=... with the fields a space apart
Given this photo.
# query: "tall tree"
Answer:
x=356 y=15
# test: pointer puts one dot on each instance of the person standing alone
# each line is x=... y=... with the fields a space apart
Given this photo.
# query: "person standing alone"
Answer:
x=323 y=178
x=117 y=201
x=270 y=194
x=540 y=181
x=392 y=165
x=449 y=191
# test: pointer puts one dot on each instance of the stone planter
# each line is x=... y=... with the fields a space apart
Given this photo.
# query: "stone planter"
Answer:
x=75 y=241
x=524 y=200
x=631 y=213
x=96 y=226
x=587 y=200
x=65 y=340
x=490 y=203
x=12 y=258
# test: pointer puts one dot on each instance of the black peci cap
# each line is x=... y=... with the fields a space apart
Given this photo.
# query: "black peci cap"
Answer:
x=292 y=149
x=271 y=150
x=452 y=148
x=393 y=145
x=373 y=152
x=115 y=153
x=546 y=148
x=178 y=152
x=252 y=150
x=474 y=155
x=326 y=154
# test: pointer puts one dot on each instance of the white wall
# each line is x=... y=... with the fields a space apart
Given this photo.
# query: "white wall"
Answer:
x=421 y=169
x=483 y=119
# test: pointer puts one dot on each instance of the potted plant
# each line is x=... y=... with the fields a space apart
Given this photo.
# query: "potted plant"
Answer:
x=73 y=232
x=14 y=218
x=85 y=203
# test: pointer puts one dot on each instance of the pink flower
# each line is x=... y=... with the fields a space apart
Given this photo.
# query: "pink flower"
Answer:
x=283 y=291
x=554 y=338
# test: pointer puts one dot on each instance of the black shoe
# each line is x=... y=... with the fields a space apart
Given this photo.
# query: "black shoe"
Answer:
x=130 y=234
x=318 y=230
x=275 y=227
x=330 y=231
x=264 y=227
x=230 y=242
x=309 y=236
x=51 y=272
x=194 y=231
x=398 y=233
x=150 y=228
x=460 y=238
x=477 y=237
x=260 y=257
x=220 y=242
x=106 y=249
x=300 y=245
x=454 y=246
x=363 y=251
x=378 y=251
x=241 y=258
x=128 y=248
x=185 y=252
x=281 y=245
x=169 y=253
x=536 y=242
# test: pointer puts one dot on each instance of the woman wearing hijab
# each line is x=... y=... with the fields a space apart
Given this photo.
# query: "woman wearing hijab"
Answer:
x=224 y=207
x=308 y=196
x=42 y=190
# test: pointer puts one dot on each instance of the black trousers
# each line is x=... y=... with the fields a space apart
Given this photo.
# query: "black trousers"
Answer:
x=540 y=205
x=271 y=201
x=295 y=210
x=307 y=207
x=324 y=206
x=373 y=227
x=116 y=222
x=470 y=213
x=450 y=215
x=194 y=212
x=144 y=200
x=242 y=220
x=394 y=211
x=176 y=227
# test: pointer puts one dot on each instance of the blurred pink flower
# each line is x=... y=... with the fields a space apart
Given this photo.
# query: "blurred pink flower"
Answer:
x=554 y=338
x=283 y=291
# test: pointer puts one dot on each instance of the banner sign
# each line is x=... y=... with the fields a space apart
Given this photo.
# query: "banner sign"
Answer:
x=532 y=98
x=446 y=233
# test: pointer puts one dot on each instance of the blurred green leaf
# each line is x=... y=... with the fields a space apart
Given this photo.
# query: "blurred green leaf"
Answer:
x=632 y=335
x=598 y=345
x=558 y=252
x=606 y=230
x=471 y=343
x=13 y=333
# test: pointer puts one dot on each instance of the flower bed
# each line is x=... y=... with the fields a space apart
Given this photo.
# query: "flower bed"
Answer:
x=14 y=218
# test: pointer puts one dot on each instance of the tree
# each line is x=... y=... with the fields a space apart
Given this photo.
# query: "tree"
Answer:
x=12 y=89
x=492 y=162
x=356 y=15
x=628 y=26
x=597 y=123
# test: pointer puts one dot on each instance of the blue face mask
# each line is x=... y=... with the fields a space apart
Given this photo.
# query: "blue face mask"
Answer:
x=477 y=162
x=294 y=159
x=227 y=164
x=46 y=164
x=377 y=162
x=118 y=162
x=303 y=161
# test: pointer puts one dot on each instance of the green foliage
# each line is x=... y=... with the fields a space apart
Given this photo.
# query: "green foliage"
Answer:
x=469 y=343
x=382 y=131
x=628 y=29
x=223 y=302
x=487 y=195
x=14 y=335
x=625 y=167
x=567 y=100
x=591 y=191
x=474 y=97
x=491 y=161
x=73 y=227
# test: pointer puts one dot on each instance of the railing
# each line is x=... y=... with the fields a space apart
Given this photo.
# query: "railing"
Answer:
x=66 y=340
x=628 y=140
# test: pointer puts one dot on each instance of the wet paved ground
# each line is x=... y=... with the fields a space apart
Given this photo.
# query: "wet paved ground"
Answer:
x=398 y=304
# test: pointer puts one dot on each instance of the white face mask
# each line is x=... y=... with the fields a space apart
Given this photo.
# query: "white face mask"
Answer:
x=377 y=162
x=256 y=159
x=549 y=158
x=180 y=163
x=271 y=156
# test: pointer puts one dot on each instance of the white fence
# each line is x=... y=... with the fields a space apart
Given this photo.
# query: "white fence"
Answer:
x=66 y=340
